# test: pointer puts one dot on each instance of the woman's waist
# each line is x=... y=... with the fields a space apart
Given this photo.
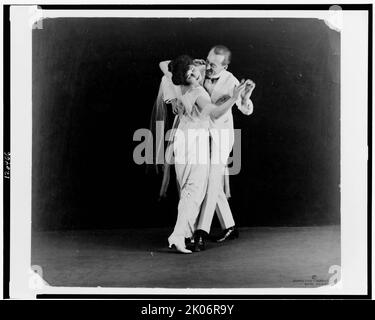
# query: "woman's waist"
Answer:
x=194 y=122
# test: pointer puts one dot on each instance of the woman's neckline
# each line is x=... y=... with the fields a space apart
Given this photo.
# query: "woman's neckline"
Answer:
x=188 y=90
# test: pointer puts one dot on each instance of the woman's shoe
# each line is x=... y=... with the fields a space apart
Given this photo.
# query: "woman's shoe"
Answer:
x=178 y=245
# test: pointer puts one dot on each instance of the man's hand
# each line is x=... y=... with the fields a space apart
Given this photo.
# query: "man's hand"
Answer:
x=247 y=108
x=177 y=107
x=238 y=90
x=246 y=104
x=250 y=86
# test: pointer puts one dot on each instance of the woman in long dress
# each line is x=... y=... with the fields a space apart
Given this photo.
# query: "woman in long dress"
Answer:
x=191 y=145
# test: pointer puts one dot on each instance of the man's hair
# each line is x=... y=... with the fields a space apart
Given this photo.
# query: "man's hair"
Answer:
x=224 y=51
x=179 y=67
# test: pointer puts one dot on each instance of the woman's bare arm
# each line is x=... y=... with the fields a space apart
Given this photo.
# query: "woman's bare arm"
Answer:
x=164 y=68
x=216 y=111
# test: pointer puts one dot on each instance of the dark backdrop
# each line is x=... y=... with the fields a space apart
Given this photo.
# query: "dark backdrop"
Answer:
x=94 y=84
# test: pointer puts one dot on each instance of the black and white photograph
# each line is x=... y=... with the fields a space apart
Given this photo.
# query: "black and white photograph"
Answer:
x=190 y=151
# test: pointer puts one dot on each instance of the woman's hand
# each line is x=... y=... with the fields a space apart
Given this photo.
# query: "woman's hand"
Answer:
x=250 y=86
x=198 y=62
x=239 y=89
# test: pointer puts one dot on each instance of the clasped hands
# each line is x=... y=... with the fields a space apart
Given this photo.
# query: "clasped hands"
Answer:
x=249 y=87
x=178 y=107
x=246 y=105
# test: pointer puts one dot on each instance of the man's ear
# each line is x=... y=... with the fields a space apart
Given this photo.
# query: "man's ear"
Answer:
x=226 y=67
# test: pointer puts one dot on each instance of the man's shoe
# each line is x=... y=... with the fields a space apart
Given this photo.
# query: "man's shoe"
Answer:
x=228 y=234
x=199 y=240
x=189 y=243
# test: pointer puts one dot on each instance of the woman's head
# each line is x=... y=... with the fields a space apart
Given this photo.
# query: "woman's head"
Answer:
x=184 y=71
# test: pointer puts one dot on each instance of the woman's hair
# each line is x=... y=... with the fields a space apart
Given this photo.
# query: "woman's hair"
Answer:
x=179 y=67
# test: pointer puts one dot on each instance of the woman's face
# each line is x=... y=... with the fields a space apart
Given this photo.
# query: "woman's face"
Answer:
x=193 y=75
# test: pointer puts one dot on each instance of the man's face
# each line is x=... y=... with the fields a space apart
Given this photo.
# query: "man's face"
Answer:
x=214 y=64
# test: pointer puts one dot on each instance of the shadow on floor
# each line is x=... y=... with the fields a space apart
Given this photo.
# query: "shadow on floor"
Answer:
x=261 y=258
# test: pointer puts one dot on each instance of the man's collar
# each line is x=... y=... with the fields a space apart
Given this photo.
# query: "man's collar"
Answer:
x=217 y=76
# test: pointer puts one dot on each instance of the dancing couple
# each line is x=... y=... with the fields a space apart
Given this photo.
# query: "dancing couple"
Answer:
x=201 y=95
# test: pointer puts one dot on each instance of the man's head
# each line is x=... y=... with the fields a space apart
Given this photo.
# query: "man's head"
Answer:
x=218 y=60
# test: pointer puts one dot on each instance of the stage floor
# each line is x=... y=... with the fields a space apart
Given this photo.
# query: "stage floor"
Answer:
x=261 y=257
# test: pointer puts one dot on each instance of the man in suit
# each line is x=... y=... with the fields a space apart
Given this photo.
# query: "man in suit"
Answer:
x=219 y=83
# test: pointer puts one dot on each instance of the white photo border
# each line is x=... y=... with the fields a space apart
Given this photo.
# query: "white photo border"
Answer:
x=354 y=151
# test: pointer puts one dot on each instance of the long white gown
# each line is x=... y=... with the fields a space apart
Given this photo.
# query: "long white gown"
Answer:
x=191 y=151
